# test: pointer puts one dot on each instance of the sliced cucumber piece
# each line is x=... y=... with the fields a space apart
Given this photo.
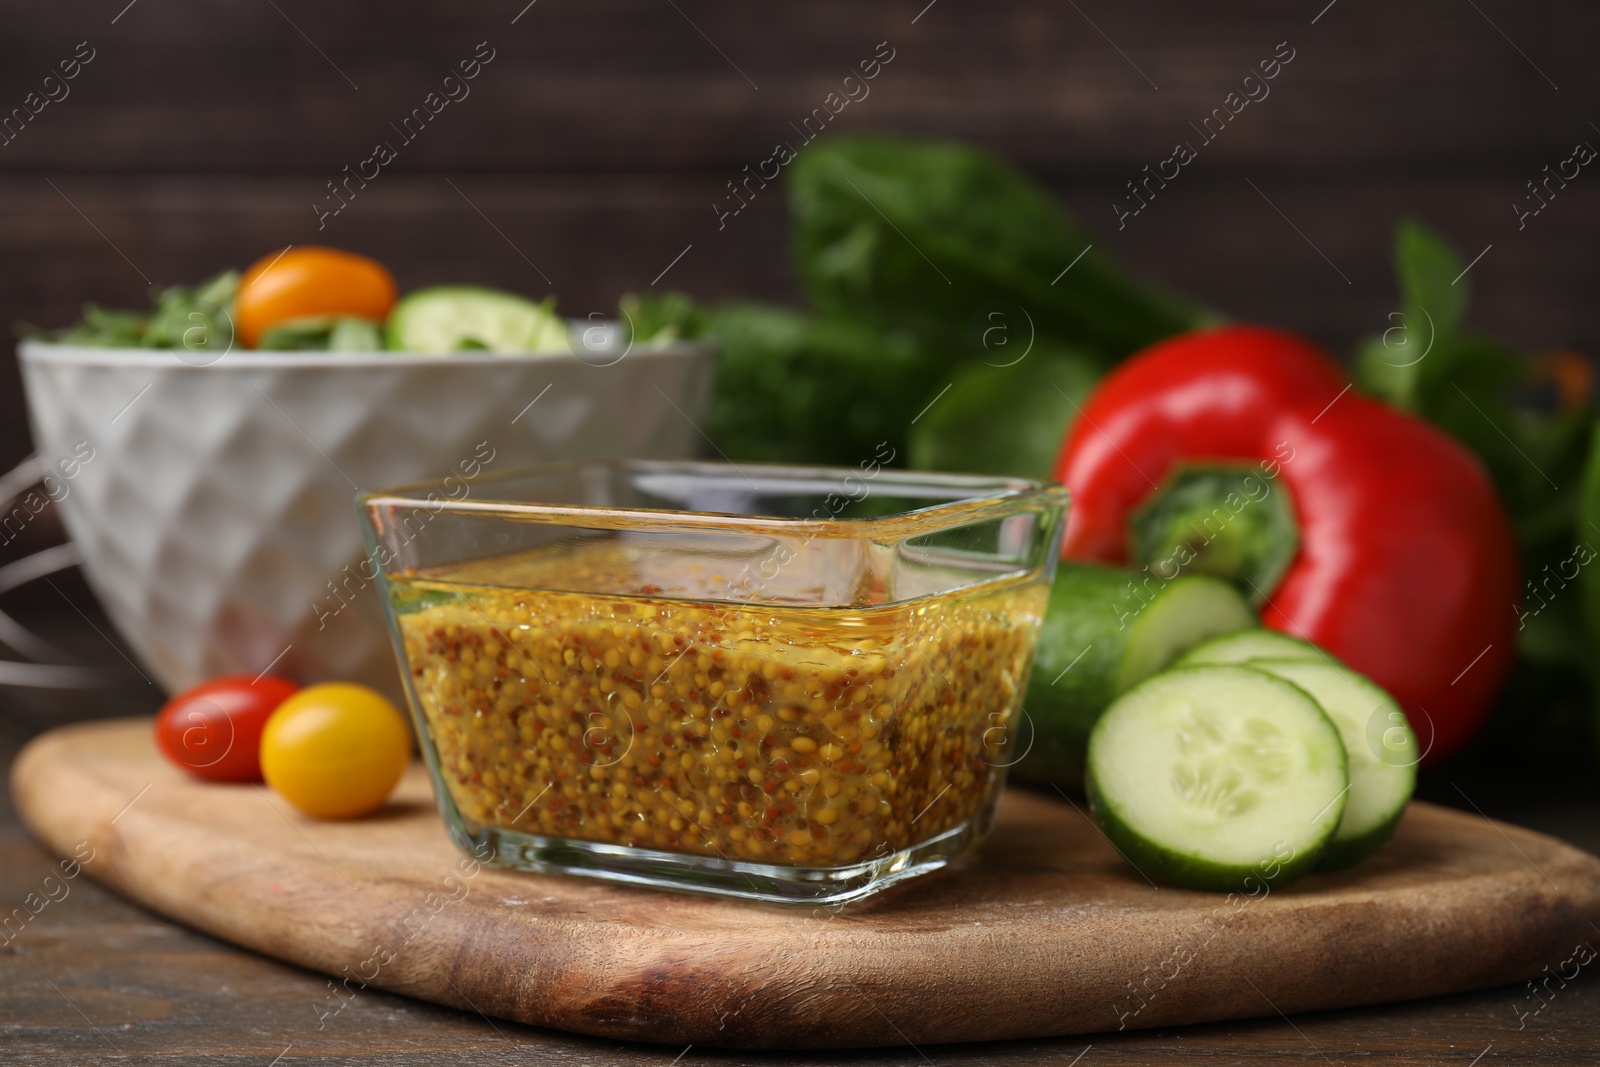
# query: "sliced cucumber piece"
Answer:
x=1188 y=611
x=1105 y=630
x=1380 y=746
x=1246 y=646
x=1211 y=777
x=453 y=318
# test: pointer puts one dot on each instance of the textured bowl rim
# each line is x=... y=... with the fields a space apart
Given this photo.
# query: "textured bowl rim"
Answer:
x=33 y=350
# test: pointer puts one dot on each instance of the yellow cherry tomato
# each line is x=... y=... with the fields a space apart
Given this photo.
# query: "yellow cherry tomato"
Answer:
x=335 y=750
x=306 y=281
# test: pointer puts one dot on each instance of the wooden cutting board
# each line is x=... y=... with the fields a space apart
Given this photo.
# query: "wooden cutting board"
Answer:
x=1043 y=931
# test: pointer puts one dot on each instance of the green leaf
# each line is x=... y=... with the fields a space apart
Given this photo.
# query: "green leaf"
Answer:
x=1469 y=385
x=657 y=319
x=324 y=333
x=1431 y=276
x=1424 y=337
x=1004 y=419
x=104 y=328
x=801 y=389
x=198 y=318
x=353 y=334
x=930 y=237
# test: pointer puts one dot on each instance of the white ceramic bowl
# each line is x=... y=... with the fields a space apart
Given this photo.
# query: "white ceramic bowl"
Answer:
x=214 y=510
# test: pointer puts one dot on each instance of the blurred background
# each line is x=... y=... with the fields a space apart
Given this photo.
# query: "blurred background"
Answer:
x=598 y=139
x=596 y=144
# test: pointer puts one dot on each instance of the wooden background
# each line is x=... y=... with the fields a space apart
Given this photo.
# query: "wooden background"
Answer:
x=600 y=135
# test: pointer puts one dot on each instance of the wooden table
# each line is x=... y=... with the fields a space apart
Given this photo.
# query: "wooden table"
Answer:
x=93 y=979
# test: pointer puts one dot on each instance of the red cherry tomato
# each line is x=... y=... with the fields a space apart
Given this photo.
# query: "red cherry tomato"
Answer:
x=213 y=731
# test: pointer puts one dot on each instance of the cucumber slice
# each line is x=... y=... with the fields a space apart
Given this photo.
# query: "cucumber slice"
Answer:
x=451 y=318
x=1215 y=777
x=1381 y=749
x=1247 y=646
x=1103 y=633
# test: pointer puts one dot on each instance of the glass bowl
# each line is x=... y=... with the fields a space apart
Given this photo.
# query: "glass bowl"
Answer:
x=780 y=683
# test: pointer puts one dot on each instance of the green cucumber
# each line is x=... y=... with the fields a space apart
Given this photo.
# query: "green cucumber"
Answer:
x=1381 y=748
x=453 y=318
x=1247 y=646
x=1106 y=630
x=1216 y=776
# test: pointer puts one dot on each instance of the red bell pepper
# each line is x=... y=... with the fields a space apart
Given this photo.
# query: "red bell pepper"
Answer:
x=1241 y=451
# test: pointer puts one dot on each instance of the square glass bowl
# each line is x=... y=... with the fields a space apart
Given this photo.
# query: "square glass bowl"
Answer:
x=780 y=683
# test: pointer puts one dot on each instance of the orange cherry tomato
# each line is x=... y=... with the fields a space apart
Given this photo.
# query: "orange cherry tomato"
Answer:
x=306 y=281
x=213 y=731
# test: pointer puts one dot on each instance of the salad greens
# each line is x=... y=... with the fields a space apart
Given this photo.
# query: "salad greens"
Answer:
x=652 y=319
x=325 y=333
x=196 y=318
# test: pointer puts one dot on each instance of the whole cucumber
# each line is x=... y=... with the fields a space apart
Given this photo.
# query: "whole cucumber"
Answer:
x=1105 y=630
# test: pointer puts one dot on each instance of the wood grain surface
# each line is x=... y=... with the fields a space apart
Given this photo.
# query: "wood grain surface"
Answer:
x=1044 y=931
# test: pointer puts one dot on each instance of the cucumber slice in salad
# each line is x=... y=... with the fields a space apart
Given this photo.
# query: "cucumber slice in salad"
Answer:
x=1381 y=749
x=1216 y=776
x=452 y=318
x=1103 y=633
x=1246 y=646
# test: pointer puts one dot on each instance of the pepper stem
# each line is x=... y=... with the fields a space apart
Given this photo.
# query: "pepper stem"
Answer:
x=1227 y=520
